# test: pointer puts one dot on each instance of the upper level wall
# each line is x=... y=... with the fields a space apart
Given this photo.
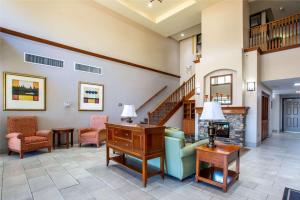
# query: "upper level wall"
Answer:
x=280 y=65
x=87 y=25
x=222 y=44
x=186 y=59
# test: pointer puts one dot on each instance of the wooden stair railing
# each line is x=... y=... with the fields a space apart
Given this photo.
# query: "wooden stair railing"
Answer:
x=162 y=113
x=276 y=35
x=152 y=97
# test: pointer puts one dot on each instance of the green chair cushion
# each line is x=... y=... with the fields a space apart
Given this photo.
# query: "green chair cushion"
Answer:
x=171 y=132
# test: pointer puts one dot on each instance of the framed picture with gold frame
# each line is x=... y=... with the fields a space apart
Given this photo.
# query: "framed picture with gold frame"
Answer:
x=24 y=92
x=90 y=97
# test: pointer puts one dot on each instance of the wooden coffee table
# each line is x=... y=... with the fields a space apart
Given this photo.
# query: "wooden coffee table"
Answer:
x=219 y=159
x=59 y=132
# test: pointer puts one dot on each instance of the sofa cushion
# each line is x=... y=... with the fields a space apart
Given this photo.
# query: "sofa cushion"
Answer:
x=89 y=134
x=34 y=139
x=170 y=132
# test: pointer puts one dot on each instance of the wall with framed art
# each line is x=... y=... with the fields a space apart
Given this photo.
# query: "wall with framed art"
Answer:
x=65 y=106
x=24 y=92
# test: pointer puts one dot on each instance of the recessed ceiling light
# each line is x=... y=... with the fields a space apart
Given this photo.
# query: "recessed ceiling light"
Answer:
x=182 y=34
x=150 y=5
x=297 y=84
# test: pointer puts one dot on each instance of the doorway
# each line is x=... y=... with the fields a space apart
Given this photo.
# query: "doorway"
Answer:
x=264 y=116
x=291 y=115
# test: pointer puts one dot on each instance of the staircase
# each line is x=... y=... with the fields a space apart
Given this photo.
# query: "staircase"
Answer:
x=164 y=111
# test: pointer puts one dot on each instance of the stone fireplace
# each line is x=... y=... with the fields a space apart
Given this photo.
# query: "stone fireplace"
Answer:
x=236 y=119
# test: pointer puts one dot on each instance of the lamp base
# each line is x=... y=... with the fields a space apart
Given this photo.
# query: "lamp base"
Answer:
x=211 y=136
x=129 y=120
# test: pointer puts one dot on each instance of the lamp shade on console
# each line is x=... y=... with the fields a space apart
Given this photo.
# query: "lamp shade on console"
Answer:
x=129 y=112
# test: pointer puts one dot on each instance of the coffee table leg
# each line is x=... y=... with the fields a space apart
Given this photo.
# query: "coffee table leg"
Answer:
x=67 y=139
x=238 y=165
x=225 y=174
x=72 y=132
x=53 y=140
x=144 y=172
x=58 y=139
x=162 y=167
x=107 y=155
x=197 y=168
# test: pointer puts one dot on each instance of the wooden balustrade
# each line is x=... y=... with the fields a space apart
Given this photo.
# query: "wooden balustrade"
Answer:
x=276 y=35
x=164 y=110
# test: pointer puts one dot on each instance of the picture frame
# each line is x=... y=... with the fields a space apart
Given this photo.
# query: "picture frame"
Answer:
x=90 y=96
x=23 y=92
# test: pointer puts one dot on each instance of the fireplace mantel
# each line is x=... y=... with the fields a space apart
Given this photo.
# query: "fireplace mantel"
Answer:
x=229 y=110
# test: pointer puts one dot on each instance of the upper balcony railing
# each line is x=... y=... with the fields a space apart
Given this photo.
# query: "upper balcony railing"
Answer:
x=276 y=35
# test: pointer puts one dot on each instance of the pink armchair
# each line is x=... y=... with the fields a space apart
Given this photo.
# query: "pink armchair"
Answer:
x=96 y=133
x=23 y=136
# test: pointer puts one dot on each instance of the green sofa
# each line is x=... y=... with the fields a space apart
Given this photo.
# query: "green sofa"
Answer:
x=180 y=157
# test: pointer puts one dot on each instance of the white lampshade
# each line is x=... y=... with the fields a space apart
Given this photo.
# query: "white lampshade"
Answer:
x=129 y=111
x=212 y=111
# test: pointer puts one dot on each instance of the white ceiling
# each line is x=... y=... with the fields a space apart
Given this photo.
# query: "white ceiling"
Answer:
x=167 y=18
x=283 y=86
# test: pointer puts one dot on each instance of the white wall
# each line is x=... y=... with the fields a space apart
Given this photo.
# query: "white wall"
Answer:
x=251 y=99
x=186 y=59
x=222 y=44
x=120 y=85
x=176 y=120
x=280 y=65
x=87 y=25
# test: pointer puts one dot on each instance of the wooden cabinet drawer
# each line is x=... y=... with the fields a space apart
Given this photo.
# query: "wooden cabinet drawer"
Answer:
x=123 y=143
x=212 y=158
x=126 y=134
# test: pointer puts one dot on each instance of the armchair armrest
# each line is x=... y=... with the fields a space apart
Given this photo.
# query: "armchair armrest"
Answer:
x=84 y=130
x=189 y=150
x=44 y=133
x=14 y=135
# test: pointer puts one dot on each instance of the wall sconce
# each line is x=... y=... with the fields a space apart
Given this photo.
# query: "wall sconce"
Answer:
x=67 y=104
x=188 y=68
x=250 y=86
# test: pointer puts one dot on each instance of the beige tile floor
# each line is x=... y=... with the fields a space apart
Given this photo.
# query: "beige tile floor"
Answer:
x=80 y=173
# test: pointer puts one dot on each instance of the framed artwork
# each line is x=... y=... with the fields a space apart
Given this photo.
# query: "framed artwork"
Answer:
x=24 y=92
x=90 y=97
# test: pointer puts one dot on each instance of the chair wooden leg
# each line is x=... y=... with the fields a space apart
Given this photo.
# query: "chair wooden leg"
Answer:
x=9 y=152
x=79 y=144
x=21 y=155
x=49 y=149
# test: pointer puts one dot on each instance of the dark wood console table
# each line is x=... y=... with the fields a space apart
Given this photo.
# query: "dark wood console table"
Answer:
x=142 y=141
x=59 y=132
x=219 y=158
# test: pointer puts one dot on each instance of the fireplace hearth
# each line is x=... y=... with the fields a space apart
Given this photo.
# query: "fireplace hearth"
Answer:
x=230 y=131
x=222 y=129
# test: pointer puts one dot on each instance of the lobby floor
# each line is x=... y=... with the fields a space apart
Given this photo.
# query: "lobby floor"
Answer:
x=81 y=173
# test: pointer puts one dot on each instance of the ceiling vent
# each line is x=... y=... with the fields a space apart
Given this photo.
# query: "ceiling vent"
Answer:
x=88 y=68
x=43 y=60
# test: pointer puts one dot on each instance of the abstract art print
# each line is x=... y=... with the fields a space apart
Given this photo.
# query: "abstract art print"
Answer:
x=24 y=92
x=90 y=97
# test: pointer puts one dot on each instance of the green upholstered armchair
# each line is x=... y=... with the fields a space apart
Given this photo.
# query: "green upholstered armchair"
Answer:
x=180 y=158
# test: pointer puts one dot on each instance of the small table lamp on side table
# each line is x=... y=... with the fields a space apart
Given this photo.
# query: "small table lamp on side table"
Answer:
x=212 y=112
x=129 y=113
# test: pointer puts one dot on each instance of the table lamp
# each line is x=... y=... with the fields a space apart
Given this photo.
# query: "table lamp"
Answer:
x=212 y=112
x=129 y=113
